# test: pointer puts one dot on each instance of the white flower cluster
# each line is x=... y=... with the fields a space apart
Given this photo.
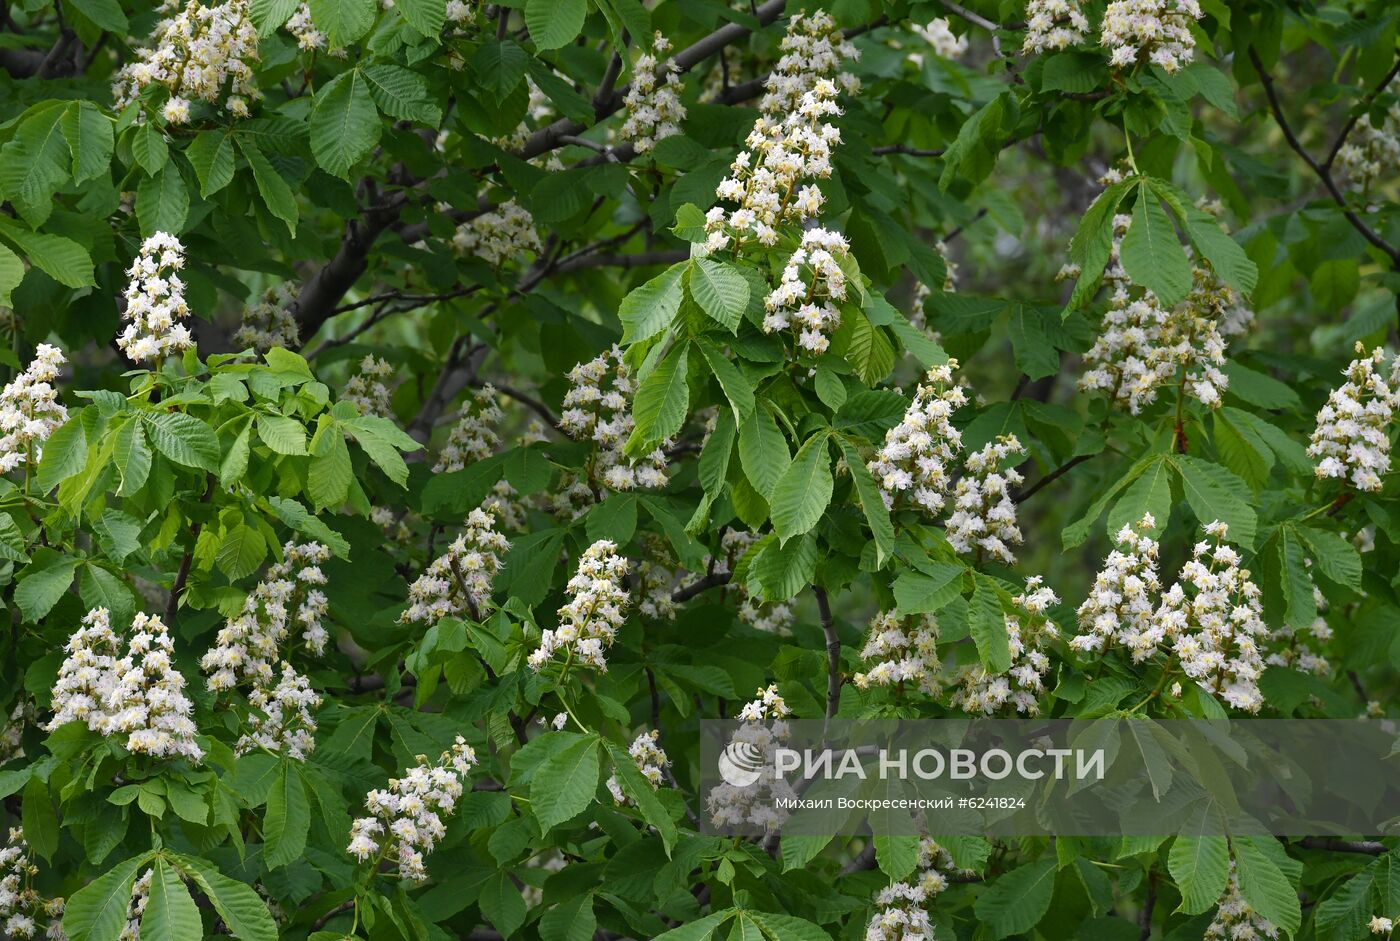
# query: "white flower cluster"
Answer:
x=368 y=387
x=269 y=323
x=597 y=409
x=22 y=716
x=1143 y=346
x=1156 y=31
x=474 y=437
x=813 y=49
x=1054 y=25
x=903 y=914
x=946 y=44
x=1028 y=632
x=757 y=804
x=140 y=895
x=288 y=597
x=813 y=282
x=1352 y=439
x=913 y=463
x=790 y=144
x=1296 y=649
x=405 y=821
x=202 y=52
x=282 y=719
x=139 y=695
x=650 y=760
x=30 y=410
x=155 y=301
x=304 y=31
x=1379 y=924
x=458 y=582
x=1215 y=617
x=983 y=520
x=1371 y=154
x=588 y=623
x=901 y=654
x=653 y=102
x=24 y=913
x=1236 y=919
x=657 y=578
x=501 y=235
x=1120 y=608
x=768 y=181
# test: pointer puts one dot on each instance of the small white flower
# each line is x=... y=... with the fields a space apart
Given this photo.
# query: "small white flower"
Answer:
x=588 y=624
x=155 y=302
x=500 y=235
x=1352 y=438
x=30 y=410
x=912 y=467
x=652 y=106
x=1054 y=25
x=1157 y=31
x=201 y=52
x=270 y=322
x=458 y=583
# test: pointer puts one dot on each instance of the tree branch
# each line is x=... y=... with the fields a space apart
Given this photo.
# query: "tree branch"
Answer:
x=1351 y=122
x=833 y=652
x=1323 y=173
x=1366 y=847
x=713 y=580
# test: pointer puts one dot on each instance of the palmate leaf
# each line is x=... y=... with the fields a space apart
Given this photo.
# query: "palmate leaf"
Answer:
x=1018 y=899
x=344 y=123
x=1152 y=254
x=565 y=782
x=659 y=408
x=800 y=496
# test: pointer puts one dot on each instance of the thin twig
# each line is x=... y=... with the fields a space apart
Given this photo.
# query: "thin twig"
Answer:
x=713 y=580
x=833 y=654
x=1351 y=122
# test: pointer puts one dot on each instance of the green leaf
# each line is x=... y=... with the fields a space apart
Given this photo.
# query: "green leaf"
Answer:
x=571 y=920
x=987 y=624
x=1017 y=900
x=11 y=273
x=1266 y=888
x=65 y=454
x=38 y=819
x=500 y=66
x=780 y=927
x=1223 y=253
x=1150 y=492
x=211 y=155
x=184 y=439
x=283 y=435
x=344 y=123
x=1213 y=493
x=1345 y=914
x=242 y=911
x=1200 y=865
x=426 y=16
x=763 y=451
x=343 y=21
x=872 y=503
x=659 y=406
x=60 y=258
x=276 y=195
x=288 y=818
x=801 y=494
x=97 y=911
x=720 y=290
x=736 y=386
x=565 y=783
x=651 y=307
x=149 y=148
x=132 y=457
x=90 y=138
x=43 y=582
x=925 y=593
x=1093 y=242
x=241 y=552
x=105 y=14
x=170 y=913
x=553 y=24
x=400 y=93
x=640 y=790
x=1334 y=556
x=501 y=903
x=330 y=473
x=99 y=588
x=162 y=202
x=268 y=15
x=870 y=352
x=698 y=930
x=1152 y=256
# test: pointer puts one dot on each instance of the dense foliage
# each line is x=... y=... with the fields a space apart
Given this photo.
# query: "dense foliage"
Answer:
x=422 y=413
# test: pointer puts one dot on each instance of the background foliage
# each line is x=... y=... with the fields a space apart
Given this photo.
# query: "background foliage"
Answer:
x=444 y=187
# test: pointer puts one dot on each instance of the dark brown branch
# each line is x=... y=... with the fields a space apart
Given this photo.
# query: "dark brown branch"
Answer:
x=1051 y=477
x=636 y=260
x=713 y=580
x=833 y=652
x=906 y=151
x=1323 y=173
x=523 y=398
x=183 y=573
